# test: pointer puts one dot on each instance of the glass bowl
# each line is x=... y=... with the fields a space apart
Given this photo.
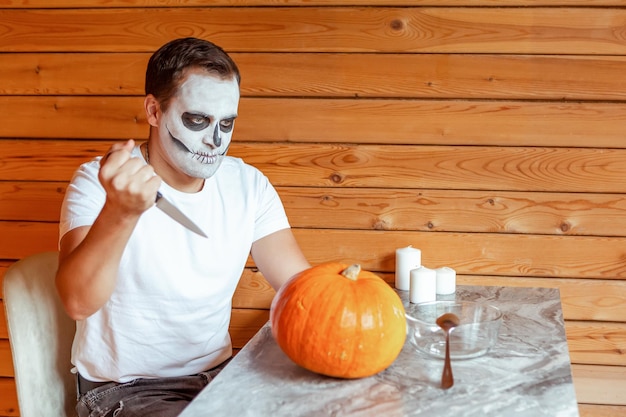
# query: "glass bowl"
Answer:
x=473 y=337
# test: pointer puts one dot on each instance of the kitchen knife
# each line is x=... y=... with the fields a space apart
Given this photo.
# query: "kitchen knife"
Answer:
x=171 y=210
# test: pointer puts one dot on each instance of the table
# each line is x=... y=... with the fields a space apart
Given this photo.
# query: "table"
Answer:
x=526 y=374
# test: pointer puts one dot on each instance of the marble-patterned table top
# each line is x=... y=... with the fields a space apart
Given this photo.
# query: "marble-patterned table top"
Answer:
x=527 y=373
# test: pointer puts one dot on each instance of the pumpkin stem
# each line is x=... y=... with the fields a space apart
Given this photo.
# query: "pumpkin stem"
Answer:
x=352 y=272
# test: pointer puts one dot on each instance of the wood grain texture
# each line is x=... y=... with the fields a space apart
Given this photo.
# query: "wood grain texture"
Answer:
x=31 y=201
x=584 y=346
x=89 y=74
x=442 y=167
x=596 y=343
x=253 y=291
x=473 y=253
x=525 y=30
x=425 y=210
x=455 y=210
x=376 y=166
x=21 y=239
x=452 y=76
x=581 y=299
x=488 y=133
x=589 y=342
x=4 y=266
x=25 y=4
x=245 y=323
x=489 y=254
x=389 y=121
x=4 y=333
x=598 y=384
x=592 y=410
x=8 y=398
x=6 y=362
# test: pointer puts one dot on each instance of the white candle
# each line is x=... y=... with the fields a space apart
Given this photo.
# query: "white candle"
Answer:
x=423 y=285
x=406 y=259
x=446 y=280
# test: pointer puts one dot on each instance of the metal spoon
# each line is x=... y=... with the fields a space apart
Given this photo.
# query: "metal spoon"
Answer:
x=447 y=322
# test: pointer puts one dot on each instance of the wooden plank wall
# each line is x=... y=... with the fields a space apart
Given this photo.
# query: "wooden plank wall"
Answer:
x=488 y=133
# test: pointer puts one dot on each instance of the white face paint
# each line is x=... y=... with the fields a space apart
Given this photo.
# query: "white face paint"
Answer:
x=197 y=127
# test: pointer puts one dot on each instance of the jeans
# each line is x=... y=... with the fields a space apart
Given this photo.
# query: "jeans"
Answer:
x=159 y=397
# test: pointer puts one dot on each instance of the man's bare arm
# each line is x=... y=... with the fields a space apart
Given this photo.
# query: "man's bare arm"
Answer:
x=278 y=257
x=90 y=256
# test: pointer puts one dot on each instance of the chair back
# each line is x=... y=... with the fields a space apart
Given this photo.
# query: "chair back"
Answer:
x=41 y=334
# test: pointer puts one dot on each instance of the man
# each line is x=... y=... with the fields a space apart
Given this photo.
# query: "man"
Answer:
x=152 y=299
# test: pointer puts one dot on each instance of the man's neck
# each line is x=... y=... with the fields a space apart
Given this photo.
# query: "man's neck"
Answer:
x=170 y=175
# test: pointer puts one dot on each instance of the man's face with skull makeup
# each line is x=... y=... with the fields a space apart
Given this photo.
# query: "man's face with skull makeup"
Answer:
x=196 y=129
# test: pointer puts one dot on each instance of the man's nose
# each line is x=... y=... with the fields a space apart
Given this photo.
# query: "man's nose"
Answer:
x=214 y=139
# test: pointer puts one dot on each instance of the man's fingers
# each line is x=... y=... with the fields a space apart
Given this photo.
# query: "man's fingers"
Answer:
x=116 y=147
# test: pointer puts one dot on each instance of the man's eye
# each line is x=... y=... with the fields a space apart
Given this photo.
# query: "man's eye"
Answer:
x=195 y=122
x=227 y=125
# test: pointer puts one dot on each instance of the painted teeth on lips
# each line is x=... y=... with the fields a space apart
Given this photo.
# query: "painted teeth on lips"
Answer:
x=204 y=158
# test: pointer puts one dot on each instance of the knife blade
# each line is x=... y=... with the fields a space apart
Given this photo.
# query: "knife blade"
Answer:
x=171 y=210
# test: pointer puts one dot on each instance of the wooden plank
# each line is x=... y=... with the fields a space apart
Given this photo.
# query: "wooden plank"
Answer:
x=597 y=343
x=4 y=332
x=586 y=380
x=473 y=254
x=55 y=160
x=6 y=360
x=542 y=30
x=338 y=75
x=581 y=299
x=4 y=266
x=445 y=75
x=31 y=201
x=589 y=343
x=8 y=398
x=597 y=384
x=594 y=384
x=506 y=123
x=94 y=117
x=20 y=239
x=592 y=410
x=253 y=291
x=392 y=209
x=245 y=323
x=73 y=74
x=444 y=167
x=468 y=253
x=390 y=121
x=42 y=4
x=377 y=166
x=455 y=210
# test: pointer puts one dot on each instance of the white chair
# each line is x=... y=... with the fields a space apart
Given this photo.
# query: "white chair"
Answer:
x=41 y=337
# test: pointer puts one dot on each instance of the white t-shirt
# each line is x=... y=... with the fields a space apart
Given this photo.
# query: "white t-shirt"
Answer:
x=170 y=310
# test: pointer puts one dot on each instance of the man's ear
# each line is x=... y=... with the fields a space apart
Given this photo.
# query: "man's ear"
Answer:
x=151 y=105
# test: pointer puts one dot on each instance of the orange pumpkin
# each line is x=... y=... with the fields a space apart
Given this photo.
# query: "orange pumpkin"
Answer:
x=339 y=321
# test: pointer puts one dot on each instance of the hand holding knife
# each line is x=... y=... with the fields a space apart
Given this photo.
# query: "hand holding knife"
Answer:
x=161 y=202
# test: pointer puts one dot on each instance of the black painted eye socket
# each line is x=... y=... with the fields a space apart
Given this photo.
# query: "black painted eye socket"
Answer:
x=227 y=125
x=195 y=122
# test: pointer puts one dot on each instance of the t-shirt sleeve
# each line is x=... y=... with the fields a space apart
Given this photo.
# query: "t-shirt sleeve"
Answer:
x=271 y=216
x=83 y=199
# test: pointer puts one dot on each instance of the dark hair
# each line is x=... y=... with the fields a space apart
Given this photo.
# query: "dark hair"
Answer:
x=168 y=66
